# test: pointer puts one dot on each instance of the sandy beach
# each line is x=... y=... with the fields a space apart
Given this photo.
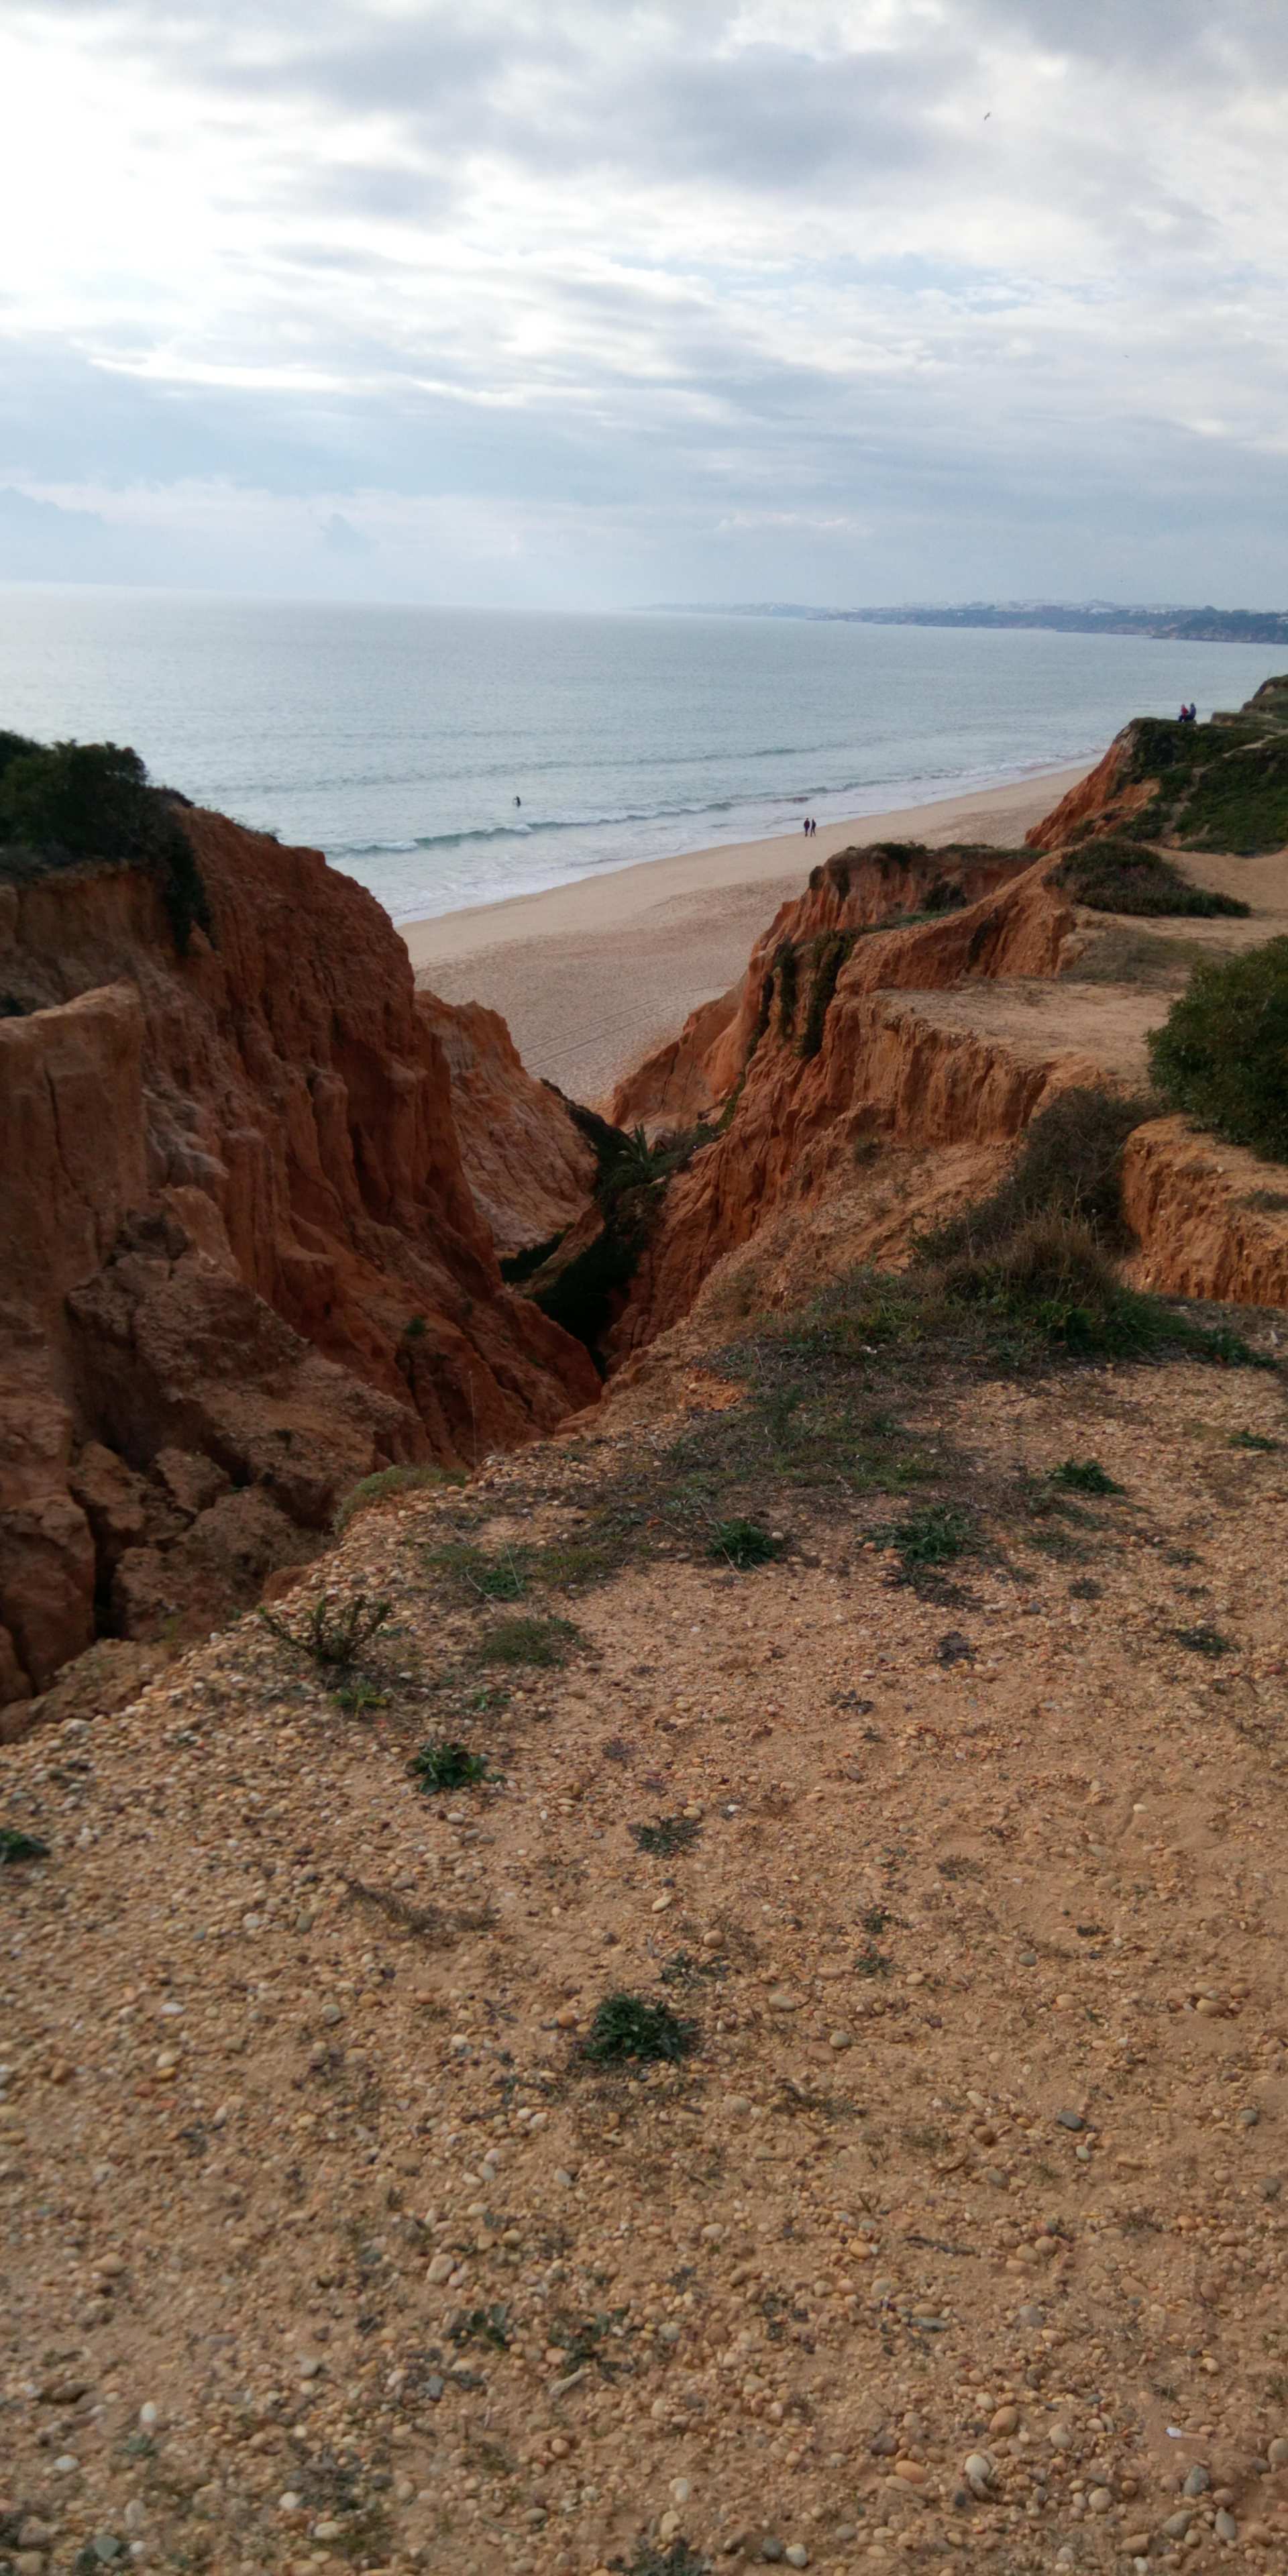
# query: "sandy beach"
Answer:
x=591 y=976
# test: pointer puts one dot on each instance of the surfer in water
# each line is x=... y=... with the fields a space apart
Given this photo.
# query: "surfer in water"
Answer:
x=518 y=800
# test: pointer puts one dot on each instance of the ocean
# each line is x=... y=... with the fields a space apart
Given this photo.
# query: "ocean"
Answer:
x=448 y=757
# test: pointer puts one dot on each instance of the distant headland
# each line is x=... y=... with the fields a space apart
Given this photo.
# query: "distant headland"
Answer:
x=1090 y=617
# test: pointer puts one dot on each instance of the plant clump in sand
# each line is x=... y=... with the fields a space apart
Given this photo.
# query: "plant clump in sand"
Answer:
x=1114 y=874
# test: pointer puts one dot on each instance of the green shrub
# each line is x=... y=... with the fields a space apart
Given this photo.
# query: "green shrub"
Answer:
x=442 y=1764
x=1084 y=1476
x=627 y=2027
x=333 y=1633
x=1220 y=787
x=91 y=800
x=933 y=1536
x=545 y=1642
x=1221 y=1054
x=14 y=1845
x=1069 y=1165
x=669 y=1835
x=1118 y=875
x=828 y=956
x=385 y=1486
x=744 y=1544
x=1253 y=1440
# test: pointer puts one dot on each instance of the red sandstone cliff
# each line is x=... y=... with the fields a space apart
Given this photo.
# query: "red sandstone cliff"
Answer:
x=855 y=891
x=240 y=1233
x=817 y=1055
x=1101 y=800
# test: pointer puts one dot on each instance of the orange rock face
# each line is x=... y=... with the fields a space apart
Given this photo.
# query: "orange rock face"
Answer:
x=529 y=1169
x=819 y=1056
x=1105 y=797
x=853 y=892
x=239 y=1226
x=1187 y=1200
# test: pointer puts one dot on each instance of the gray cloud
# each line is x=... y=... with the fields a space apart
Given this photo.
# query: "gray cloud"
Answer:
x=613 y=293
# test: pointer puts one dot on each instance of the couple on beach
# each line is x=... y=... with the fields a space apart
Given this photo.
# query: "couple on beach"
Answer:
x=810 y=828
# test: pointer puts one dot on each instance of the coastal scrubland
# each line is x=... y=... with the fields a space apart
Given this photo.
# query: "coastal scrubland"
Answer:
x=702 y=1985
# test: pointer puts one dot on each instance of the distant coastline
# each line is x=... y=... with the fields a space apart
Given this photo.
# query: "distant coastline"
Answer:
x=1168 y=625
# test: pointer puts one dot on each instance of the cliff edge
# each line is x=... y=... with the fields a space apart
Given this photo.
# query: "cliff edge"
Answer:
x=248 y=1256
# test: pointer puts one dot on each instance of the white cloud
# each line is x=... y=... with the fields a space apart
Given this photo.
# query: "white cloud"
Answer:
x=618 y=294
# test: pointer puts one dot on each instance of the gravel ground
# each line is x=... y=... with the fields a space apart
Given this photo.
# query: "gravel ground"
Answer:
x=957 y=2238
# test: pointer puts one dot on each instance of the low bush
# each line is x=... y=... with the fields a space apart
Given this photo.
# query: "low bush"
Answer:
x=1069 y=1165
x=1084 y=1476
x=14 y=1845
x=73 y=801
x=442 y=1764
x=744 y=1543
x=631 y=2027
x=1221 y=1054
x=1118 y=875
x=333 y=1633
x=547 y=1642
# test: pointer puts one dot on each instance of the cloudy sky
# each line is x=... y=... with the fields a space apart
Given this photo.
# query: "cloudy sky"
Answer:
x=589 y=303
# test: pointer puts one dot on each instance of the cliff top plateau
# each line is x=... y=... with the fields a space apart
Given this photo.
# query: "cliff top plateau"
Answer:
x=706 y=1988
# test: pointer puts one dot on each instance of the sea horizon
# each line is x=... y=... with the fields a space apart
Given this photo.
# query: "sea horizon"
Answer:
x=434 y=756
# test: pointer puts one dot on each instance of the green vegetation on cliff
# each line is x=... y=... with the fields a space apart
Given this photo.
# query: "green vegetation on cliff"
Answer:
x=69 y=803
x=1222 y=1052
x=1115 y=874
x=1220 y=786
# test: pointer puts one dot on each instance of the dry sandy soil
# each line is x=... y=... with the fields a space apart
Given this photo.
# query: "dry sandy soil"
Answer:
x=958 y=2237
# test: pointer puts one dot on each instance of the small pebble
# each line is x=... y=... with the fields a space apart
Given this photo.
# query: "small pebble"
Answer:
x=1225 y=2526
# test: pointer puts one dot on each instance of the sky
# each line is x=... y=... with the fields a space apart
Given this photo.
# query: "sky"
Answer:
x=579 y=303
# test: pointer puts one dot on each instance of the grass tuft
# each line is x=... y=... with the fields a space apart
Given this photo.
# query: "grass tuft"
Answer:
x=1084 y=1476
x=544 y=1642
x=1253 y=1440
x=744 y=1543
x=934 y=1536
x=669 y=1835
x=16 y=1846
x=442 y=1764
x=631 y=2029
x=1204 y=1640
x=333 y=1633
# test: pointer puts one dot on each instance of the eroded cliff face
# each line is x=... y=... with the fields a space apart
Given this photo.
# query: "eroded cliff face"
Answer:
x=529 y=1168
x=1102 y=801
x=856 y=891
x=1208 y=1219
x=822 y=1059
x=240 y=1231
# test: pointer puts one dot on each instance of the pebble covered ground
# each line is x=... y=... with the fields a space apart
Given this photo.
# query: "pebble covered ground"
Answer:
x=958 y=2236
